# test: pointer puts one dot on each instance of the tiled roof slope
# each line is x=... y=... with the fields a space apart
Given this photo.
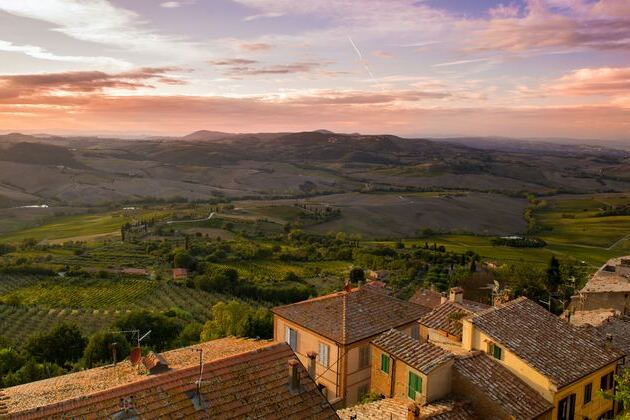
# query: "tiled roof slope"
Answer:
x=251 y=384
x=501 y=386
x=558 y=350
x=431 y=299
x=421 y=356
x=447 y=317
x=392 y=409
x=347 y=317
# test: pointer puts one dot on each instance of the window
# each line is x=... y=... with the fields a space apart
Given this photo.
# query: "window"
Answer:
x=384 y=363
x=415 y=332
x=324 y=350
x=588 y=393
x=607 y=382
x=364 y=357
x=495 y=351
x=566 y=408
x=414 y=386
x=291 y=338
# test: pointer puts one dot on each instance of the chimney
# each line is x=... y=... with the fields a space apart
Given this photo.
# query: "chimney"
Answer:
x=294 y=376
x=348 y=286
x=443 y=298
x=456 y=294
x=312 y=356
x=609 y=340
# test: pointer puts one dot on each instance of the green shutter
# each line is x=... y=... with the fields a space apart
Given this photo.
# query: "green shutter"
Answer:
x=414 y=386
x=385 y=363
x=496 y=351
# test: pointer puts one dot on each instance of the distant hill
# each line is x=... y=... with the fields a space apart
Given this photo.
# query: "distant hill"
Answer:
x=39 y=154
x=206 y=135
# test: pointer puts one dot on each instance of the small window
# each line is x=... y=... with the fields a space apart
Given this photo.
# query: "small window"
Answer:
x=414 y=386
x=415 y=332
x=291 y=338
x=566 y=408
x=364 y=357
x=607 y=382
x=496 y=351
x=324 y=350
x=588 y=393
x=384 y=363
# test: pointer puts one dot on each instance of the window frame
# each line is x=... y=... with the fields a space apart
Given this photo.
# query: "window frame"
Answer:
x=385 y=362
x=569 y=408
x=364 y=357
x=493 y=348
x=414 y=385
x=588 y=392
x=324 y=349
x=609 y=378
x=287 y=337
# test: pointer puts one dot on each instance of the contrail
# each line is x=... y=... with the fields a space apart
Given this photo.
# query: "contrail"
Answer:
x=363 y=63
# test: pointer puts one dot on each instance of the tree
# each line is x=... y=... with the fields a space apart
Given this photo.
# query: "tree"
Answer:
x=10 y=360
x=63 y=345
x=554 y=278
x=622 y=393
x=191 y=334
x=30 y=372
x=163 y=329
x=183 y=259
x=237 y=319
x=99 y=348
x=357 y=274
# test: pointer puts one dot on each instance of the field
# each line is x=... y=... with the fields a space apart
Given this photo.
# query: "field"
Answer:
x=36 y=302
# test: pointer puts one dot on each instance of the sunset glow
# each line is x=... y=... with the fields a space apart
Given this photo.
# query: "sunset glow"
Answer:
x=528 y=68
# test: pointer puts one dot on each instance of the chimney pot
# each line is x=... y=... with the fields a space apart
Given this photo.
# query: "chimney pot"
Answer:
x=443 y=299
x=294 y=375
x=456 y=294
x=312 y=356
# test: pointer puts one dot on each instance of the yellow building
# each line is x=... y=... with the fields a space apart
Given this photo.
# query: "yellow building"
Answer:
x=331 y=335
x=566 y=365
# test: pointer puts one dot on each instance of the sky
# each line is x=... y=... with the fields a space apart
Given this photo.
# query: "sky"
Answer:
x=521 y=68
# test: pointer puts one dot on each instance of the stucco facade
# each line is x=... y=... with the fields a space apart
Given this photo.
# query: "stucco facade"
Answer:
x=345 y=379
x=475 y=339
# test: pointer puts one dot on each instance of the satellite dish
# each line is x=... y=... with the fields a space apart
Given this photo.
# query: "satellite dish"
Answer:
x=135 y=356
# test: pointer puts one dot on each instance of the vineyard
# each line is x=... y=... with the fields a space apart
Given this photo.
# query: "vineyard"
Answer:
x=34 y=304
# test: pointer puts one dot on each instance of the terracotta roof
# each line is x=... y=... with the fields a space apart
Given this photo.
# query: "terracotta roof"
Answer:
x=501 y=386
x=421 y=356
x=347 y=317
x=3 y=403
x=614 y=276
x=427 y=298
x=618 y=327
x=393 y=409
x=241 y=378
x=446 y=317
x=556 y=349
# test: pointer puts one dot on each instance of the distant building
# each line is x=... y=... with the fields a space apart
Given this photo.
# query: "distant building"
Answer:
x=609 y=288
x=333 y=332
x=240 y=379
x=180 y=274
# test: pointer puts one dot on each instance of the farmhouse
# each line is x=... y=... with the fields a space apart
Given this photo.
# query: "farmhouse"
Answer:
x=332 y=335
x=236 y=378
x=180 y=274
x=609 y=288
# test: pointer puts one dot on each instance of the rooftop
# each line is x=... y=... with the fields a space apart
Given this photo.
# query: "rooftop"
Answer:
x=349 y=316
x=501 y=386
x=431 y=299
x=421 y=356
x=123 y=392
x=560 y=351
x=392 y=409
x=447 y=316
x=614 y=276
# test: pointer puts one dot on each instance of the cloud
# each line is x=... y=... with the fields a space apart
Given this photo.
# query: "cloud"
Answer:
x=101 y=22
x=43 y=54
x=245 y=68
x=233 y=62
x=256 y=46
x=604 y=81
x=460 y=62
x=548 y=24
x=382 y=54
x=45 y=87
x=364 y=98
x=263 y=16
x=176 y=4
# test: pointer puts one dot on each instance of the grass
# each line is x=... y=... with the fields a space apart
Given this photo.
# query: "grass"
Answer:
x=82 y=227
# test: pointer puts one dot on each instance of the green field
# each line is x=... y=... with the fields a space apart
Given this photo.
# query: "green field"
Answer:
x=83 y=227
